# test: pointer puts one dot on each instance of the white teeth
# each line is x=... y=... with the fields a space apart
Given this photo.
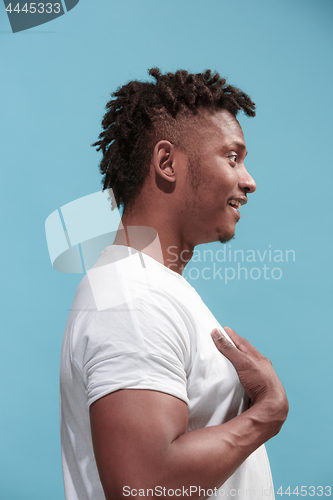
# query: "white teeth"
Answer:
x=235 y=203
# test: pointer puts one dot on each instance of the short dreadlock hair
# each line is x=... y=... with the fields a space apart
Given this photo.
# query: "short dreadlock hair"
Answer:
x=142 y=113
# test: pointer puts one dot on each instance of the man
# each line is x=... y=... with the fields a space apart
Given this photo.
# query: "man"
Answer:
x=152 y=404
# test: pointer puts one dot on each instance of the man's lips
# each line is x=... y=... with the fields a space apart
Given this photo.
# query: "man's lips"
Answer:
x=235 y=203
x=236 y=212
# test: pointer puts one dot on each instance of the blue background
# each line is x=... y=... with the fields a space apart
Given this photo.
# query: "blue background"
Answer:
x=55 y=82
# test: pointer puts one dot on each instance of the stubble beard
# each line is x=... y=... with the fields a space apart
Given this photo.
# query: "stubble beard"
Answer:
x=225 y=239
x=195 y=179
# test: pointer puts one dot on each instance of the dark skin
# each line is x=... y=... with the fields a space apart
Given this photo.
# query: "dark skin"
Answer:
x=181 y=215
x=139 y=436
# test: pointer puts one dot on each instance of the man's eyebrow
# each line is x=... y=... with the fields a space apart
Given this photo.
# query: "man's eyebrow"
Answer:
x=237 y=144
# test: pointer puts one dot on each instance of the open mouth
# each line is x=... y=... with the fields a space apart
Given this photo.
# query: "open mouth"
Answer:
x=235 y=204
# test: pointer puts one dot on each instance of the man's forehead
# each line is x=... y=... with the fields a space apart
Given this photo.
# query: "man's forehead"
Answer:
x=220 y=125
x=223 y=121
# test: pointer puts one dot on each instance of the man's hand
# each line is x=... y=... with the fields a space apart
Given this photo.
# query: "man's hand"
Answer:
x=257 y=376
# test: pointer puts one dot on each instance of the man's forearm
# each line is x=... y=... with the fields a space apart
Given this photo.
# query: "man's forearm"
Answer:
x=208 y=457
x=204 y=458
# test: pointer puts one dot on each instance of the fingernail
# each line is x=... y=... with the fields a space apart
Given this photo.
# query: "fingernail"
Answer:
x=217 y=334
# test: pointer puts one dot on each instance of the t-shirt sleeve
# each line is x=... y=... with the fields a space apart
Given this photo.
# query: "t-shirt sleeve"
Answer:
x=142 y=345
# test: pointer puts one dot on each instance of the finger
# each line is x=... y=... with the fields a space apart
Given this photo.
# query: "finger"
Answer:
x=239 y=341
x=242 y=344
x=226 y=347
x=222 y=339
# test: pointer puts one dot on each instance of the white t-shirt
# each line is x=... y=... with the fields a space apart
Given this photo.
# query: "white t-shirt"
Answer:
x=136 y=324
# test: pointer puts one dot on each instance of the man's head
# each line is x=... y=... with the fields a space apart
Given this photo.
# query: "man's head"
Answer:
x=177 y=108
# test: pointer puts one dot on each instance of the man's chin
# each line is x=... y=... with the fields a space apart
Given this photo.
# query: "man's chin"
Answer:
x=225 y=239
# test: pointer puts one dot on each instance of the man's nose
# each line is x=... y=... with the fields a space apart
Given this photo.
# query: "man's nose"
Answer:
x=247 y=183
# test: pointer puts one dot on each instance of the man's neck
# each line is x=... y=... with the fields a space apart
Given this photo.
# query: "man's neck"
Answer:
x=157 y=239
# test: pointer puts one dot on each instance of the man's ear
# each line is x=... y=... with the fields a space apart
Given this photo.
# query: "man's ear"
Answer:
x=163 y=160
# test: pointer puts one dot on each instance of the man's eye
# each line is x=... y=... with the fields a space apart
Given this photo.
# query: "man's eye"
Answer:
x=233 y=158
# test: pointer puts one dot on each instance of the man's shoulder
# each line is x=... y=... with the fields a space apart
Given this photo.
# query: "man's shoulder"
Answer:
x=120 y=277
x=134 y=296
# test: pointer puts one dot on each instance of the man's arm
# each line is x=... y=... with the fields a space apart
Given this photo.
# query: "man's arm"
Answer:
x=140 y=438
